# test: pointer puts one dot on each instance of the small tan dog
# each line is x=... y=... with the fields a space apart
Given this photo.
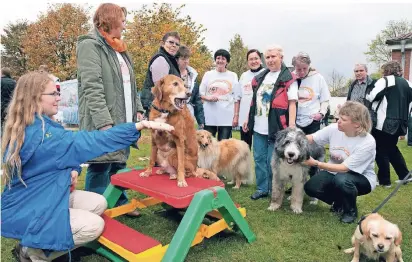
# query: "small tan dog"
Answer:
x=231 y=157
x=376 y=237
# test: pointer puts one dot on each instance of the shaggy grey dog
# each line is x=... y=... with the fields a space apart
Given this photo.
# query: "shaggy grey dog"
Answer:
x=292 y=148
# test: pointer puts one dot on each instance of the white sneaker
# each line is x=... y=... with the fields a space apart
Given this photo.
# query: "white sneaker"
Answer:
x=407 y=180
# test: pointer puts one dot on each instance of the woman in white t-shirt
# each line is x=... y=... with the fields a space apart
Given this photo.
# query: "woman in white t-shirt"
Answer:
x=220 y=92
x=313 y=94
x=254 y=62
x=350 y=170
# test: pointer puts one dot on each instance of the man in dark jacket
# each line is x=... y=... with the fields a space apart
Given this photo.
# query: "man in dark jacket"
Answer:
x=161 y=64
x=362 y=85
x=7 y=89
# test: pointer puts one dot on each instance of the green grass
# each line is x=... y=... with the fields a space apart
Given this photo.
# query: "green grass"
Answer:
x=315 y=235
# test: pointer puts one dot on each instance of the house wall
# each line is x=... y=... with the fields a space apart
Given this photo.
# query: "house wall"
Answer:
x=397 y=56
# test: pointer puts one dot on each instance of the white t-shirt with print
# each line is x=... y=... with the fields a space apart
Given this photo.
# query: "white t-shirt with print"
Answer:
x=246 y=94
x=313 y=90
x=127 y=88
x=225 y=86
x=356 y=153
x=263 y=104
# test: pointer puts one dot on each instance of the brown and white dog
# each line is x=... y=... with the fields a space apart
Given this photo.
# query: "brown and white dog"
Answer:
x=376 y=237
x=230 y=157
x=176 y=151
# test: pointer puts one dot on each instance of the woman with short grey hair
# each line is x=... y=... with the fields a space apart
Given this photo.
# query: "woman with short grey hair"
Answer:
x=314 y=94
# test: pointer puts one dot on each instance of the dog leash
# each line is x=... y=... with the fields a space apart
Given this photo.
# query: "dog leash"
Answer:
x=386 y=199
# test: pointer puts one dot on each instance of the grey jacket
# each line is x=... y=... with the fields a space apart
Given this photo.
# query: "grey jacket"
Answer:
x=100 y=88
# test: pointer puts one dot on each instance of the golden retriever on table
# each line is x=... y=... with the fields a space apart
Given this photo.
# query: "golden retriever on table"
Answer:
x=376 y=237
x=175 y=151
x=231 y=157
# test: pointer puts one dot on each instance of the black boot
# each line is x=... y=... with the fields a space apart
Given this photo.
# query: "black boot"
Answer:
x=349 y=216
x=350 y=211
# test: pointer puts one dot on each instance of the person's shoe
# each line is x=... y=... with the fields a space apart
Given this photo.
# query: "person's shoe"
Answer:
x=336 y=208
x=406 y=182
x=258 y=194
x=387 y=186
x=134 y=213
x=19 y=254
x=349 y=216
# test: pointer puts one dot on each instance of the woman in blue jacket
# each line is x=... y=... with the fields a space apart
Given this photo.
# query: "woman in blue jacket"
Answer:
x=41 y=162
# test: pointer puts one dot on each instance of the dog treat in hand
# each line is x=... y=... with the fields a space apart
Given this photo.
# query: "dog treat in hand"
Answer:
x=154 y=125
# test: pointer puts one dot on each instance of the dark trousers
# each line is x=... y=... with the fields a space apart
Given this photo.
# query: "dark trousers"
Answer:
x=342 y=188
x=247 y=137
x=387 y=152
x=308 y=130
x=410 y=130
x=223 y=132
x=98 y=178
x=312 y=128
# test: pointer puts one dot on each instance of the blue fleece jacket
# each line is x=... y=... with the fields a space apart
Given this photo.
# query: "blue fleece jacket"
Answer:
x=38 y=215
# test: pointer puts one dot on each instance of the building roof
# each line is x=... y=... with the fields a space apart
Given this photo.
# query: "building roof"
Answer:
x=396 y=40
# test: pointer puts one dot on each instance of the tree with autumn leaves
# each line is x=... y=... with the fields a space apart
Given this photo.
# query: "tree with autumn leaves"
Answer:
x=52 y=39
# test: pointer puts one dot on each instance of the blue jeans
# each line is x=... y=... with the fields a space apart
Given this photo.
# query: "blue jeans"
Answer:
x=98 y=178
x=262 y=153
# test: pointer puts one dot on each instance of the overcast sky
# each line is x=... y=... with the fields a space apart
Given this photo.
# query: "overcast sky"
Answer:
x=335 y=35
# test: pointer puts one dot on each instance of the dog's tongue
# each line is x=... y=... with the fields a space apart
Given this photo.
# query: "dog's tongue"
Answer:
x=290 y=161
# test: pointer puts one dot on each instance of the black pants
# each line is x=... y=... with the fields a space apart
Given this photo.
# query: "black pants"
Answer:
x=224 y=132
x=308 y=130
x=342 y=188
x=387 y=152
x=247 y=137
x=312 y=128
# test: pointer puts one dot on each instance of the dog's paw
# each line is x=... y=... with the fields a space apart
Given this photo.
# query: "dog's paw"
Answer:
x=182 y=183
x=313 y=201
x=172 y=176
x=273 y=207
x=161 y=171
x=146 y=173
x=231 y=182
x=354 y=260
x=296 y=210
x=289 y=198
x=349 y=250
x=236 y=187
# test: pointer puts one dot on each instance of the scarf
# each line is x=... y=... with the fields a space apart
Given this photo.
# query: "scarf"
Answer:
x=257 y=69
x=117 y=44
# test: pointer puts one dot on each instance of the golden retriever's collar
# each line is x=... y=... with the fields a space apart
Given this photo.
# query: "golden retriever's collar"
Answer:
x=161 y=110
x=360 y=224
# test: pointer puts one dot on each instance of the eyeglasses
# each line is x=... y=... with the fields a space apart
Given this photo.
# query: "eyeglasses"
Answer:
x=55 y=94
x=173 y=43
x=356 y=71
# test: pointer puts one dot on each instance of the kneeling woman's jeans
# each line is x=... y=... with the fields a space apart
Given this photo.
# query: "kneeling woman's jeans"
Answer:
x=342 y=188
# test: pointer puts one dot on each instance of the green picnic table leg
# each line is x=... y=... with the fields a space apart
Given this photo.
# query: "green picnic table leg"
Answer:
x=202 y=203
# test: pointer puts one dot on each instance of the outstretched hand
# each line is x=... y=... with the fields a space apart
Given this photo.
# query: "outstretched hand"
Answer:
x=154 y=125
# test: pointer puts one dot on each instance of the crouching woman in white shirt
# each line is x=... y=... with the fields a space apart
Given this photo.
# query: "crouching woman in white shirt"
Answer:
x=350 y=170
